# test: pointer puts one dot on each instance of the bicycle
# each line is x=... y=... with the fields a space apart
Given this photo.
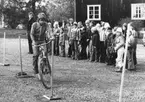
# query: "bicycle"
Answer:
x=44 y=67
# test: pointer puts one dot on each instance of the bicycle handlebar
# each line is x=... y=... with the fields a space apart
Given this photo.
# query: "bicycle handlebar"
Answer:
x=43 y=43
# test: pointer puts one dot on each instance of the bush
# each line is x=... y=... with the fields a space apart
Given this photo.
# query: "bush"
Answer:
x=138 y=24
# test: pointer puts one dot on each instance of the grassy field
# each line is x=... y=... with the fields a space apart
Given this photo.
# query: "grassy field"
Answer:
x=74 y=81
x=12 y=33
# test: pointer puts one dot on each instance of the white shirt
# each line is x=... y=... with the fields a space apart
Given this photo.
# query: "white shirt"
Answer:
x=102 y=34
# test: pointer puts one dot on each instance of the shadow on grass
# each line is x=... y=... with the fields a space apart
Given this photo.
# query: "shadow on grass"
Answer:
x=140 y=67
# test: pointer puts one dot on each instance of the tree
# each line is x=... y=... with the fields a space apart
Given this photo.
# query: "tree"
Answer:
x=59 y=9
x=16 y=11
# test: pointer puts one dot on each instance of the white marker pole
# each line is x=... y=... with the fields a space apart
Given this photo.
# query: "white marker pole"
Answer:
x=4 y=49
x=21 y=74
x=52 y=66
x=20 y=53
x=51 y=77
x=123 y=72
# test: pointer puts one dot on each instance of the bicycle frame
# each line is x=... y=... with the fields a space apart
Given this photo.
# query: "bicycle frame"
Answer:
x=42 y=52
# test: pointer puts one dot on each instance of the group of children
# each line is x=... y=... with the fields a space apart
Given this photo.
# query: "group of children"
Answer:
x=97 y=42
x=92 y=41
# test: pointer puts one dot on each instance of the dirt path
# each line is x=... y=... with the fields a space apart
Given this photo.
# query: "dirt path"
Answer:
x=75 y=81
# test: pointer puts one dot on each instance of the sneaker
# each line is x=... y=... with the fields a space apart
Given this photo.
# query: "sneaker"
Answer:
x=30 y=52
x=119 y=70
x=38 y=76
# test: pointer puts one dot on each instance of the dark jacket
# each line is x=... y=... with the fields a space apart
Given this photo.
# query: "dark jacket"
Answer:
x=29 y=24
x=38 y=32
x=89 y=34
x=96 y=39
x=83 y=37
x=109 y=40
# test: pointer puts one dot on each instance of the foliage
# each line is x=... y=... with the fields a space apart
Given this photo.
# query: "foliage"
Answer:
x=16 y=11
x=61 y=11
x=13 y=16
x=136 y=23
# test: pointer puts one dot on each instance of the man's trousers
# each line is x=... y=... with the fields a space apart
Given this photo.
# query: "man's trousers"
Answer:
x=29 y=42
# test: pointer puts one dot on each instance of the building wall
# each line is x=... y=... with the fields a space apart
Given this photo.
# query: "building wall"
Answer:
x=111 y=10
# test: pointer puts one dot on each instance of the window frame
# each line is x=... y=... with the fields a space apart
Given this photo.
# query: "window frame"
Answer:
x=88 y=12
x=135 y=11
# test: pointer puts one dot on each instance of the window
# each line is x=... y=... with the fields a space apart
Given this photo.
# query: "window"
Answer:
x=138 y=11
x=94 y=12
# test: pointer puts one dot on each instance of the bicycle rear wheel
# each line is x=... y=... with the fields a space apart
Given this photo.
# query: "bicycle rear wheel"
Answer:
x=44 y=71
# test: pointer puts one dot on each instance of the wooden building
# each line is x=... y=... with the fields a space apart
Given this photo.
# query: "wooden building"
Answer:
x=104 y=10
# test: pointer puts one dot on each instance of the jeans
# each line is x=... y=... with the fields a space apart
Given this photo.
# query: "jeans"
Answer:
x=83 y=53
x=95 y=54
x=130 y=60
x=29 y=42
x=56 y=46
x=119 y=60
x=75 y=51
x=111 y=55
x=36 y=55
x=62 y=50
x=90 y=49
x=102 y=52
x=134 y=56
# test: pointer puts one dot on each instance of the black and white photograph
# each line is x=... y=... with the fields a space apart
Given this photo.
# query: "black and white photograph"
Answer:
x=72 y=50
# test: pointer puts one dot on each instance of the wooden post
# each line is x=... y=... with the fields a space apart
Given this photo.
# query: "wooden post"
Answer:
x=74 y=10
x=20 y=54
x=124 y=67
x=4 y=49
x=52 y=66
x=52 y=97
x=21 y=74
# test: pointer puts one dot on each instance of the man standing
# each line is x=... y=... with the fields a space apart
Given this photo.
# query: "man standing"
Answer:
x=74 y=37
x=70 y=27
x=30 y=22
x=95 y=45
x=82 y=40
x=88 y=32
x=38 y=36
x=102 y=44
x=132 y=45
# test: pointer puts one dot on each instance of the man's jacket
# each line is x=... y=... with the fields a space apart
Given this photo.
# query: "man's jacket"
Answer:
x=29 y=24
x=38 y=32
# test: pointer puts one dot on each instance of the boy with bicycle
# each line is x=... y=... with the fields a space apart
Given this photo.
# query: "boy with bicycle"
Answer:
x=38 y=36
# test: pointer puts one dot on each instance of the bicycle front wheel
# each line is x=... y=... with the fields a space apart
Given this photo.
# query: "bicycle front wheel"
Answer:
x=44 y=71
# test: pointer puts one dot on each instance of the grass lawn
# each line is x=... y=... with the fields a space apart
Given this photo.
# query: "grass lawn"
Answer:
x=74 y=81
x=12 y=33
